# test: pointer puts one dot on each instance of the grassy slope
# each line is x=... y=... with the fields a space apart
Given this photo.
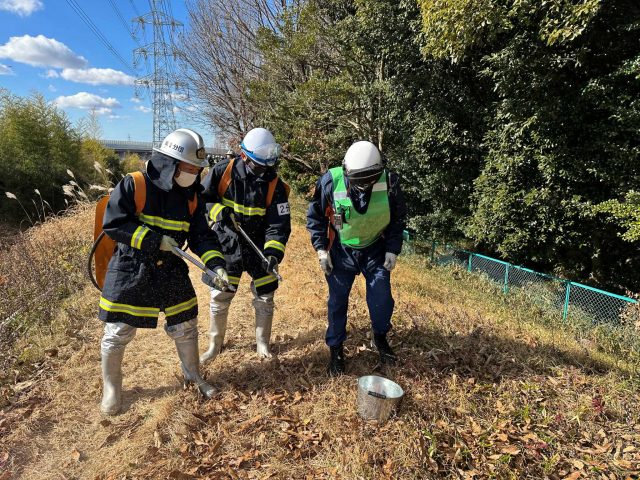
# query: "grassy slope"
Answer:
x=490 y=393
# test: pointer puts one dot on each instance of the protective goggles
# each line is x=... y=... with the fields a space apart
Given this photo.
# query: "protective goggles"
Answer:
x=365 y=177
x=265 y=154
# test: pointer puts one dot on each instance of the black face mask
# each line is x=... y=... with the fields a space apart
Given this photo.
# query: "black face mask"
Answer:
x=255 y=168
x=364 y=180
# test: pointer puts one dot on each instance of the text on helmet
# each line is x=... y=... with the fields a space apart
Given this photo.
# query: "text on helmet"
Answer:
x=175 y=146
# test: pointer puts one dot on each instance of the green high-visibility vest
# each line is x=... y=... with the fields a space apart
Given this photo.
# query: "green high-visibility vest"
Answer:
x=361 y=230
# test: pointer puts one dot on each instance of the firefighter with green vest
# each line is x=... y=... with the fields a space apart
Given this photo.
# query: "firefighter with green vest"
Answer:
x=356 y=220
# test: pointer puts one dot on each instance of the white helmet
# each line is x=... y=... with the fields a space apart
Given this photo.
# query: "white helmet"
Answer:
x=260 y=146
x=362 y=164
x=184 y=145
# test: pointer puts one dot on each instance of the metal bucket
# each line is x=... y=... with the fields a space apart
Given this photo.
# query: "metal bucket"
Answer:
x=378 y=397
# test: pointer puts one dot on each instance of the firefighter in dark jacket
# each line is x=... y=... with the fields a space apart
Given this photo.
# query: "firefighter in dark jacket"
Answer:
x=356 y=220
x=248 y=189
x=144 y=277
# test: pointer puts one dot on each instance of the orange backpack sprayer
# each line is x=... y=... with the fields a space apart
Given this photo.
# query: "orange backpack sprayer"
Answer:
x=103 y=246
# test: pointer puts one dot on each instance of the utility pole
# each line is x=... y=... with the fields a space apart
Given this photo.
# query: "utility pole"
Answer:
x=160 y=81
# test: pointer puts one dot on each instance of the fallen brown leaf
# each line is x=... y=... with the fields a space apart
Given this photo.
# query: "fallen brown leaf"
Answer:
x=75 y=454
x=573 y=476
x=178 y=475
x=510 y=450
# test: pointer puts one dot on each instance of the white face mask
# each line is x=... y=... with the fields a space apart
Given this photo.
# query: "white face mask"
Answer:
x=185 y=179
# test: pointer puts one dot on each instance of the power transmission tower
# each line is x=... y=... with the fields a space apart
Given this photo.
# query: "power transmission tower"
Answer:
x=161 y=80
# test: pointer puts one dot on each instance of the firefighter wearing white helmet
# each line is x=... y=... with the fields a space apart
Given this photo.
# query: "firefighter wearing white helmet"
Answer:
x=144 y=276
x=247 y=190
x=356 y=220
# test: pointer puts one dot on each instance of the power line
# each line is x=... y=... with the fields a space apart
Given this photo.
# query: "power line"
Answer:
x=96 y=31
x=123 y=21
x=133 y=5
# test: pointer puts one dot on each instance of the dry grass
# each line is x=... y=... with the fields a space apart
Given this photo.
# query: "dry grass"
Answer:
x=39 y=271
x=491 y=393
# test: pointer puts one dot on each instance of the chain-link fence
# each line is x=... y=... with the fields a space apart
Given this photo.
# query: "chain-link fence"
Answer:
x=573 y=301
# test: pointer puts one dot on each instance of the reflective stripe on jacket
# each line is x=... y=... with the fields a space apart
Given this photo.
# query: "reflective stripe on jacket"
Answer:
x=141 y=279
x=269 y=228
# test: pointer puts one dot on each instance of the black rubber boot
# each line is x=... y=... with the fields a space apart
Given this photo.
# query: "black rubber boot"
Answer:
x=336 y=364
x=387 y=357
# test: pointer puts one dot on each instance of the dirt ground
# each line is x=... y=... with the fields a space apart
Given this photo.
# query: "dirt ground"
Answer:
x=488 y=396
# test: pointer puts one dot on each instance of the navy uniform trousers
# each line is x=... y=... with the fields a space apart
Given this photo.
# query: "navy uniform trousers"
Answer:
x=347 y=263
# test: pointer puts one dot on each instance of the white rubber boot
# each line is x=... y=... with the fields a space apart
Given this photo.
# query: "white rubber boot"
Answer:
x=219 y=312
x=263 y=305
x=185 y=335
x=263 y=335
x=112 y=382
x=115 y=339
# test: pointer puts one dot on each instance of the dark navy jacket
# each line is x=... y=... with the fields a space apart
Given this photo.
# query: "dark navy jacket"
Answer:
x=347 y=258
x=269 y=228
x=141 y=279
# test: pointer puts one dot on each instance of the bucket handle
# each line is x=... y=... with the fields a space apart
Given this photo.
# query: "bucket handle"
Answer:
x=377 y=395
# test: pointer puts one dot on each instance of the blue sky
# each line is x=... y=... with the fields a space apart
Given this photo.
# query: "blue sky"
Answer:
x=46 y=47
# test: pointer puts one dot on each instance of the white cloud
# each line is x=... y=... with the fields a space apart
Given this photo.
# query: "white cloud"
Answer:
x=176 y=110
x=52 y=74
x=118 y=117
x=97 y=76
x=41 y=51
x=143 y=109
x=5 y=70
x=52 y=88
x=135 y=100
x=88 y=101
x=24 y=8
x=179 y=97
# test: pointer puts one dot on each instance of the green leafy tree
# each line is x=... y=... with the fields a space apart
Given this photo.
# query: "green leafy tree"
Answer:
x=564 y=136
x=37 y=147
x=625 y=214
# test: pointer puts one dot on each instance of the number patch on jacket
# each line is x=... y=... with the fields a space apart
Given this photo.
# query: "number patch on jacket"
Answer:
x=283 y=209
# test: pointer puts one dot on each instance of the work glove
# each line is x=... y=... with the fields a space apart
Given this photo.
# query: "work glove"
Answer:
x=272 y=264
x=390 y=260
x=217 y=282
x=325 y=262
x=228 y=217
x=167 y=244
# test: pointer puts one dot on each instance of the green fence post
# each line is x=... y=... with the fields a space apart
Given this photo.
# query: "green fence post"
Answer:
x=506 y=279
x=433 y=250
x=565 y=310
x=470 y=259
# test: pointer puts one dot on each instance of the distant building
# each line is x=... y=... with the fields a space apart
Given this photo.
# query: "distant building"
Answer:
x=144 y=149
